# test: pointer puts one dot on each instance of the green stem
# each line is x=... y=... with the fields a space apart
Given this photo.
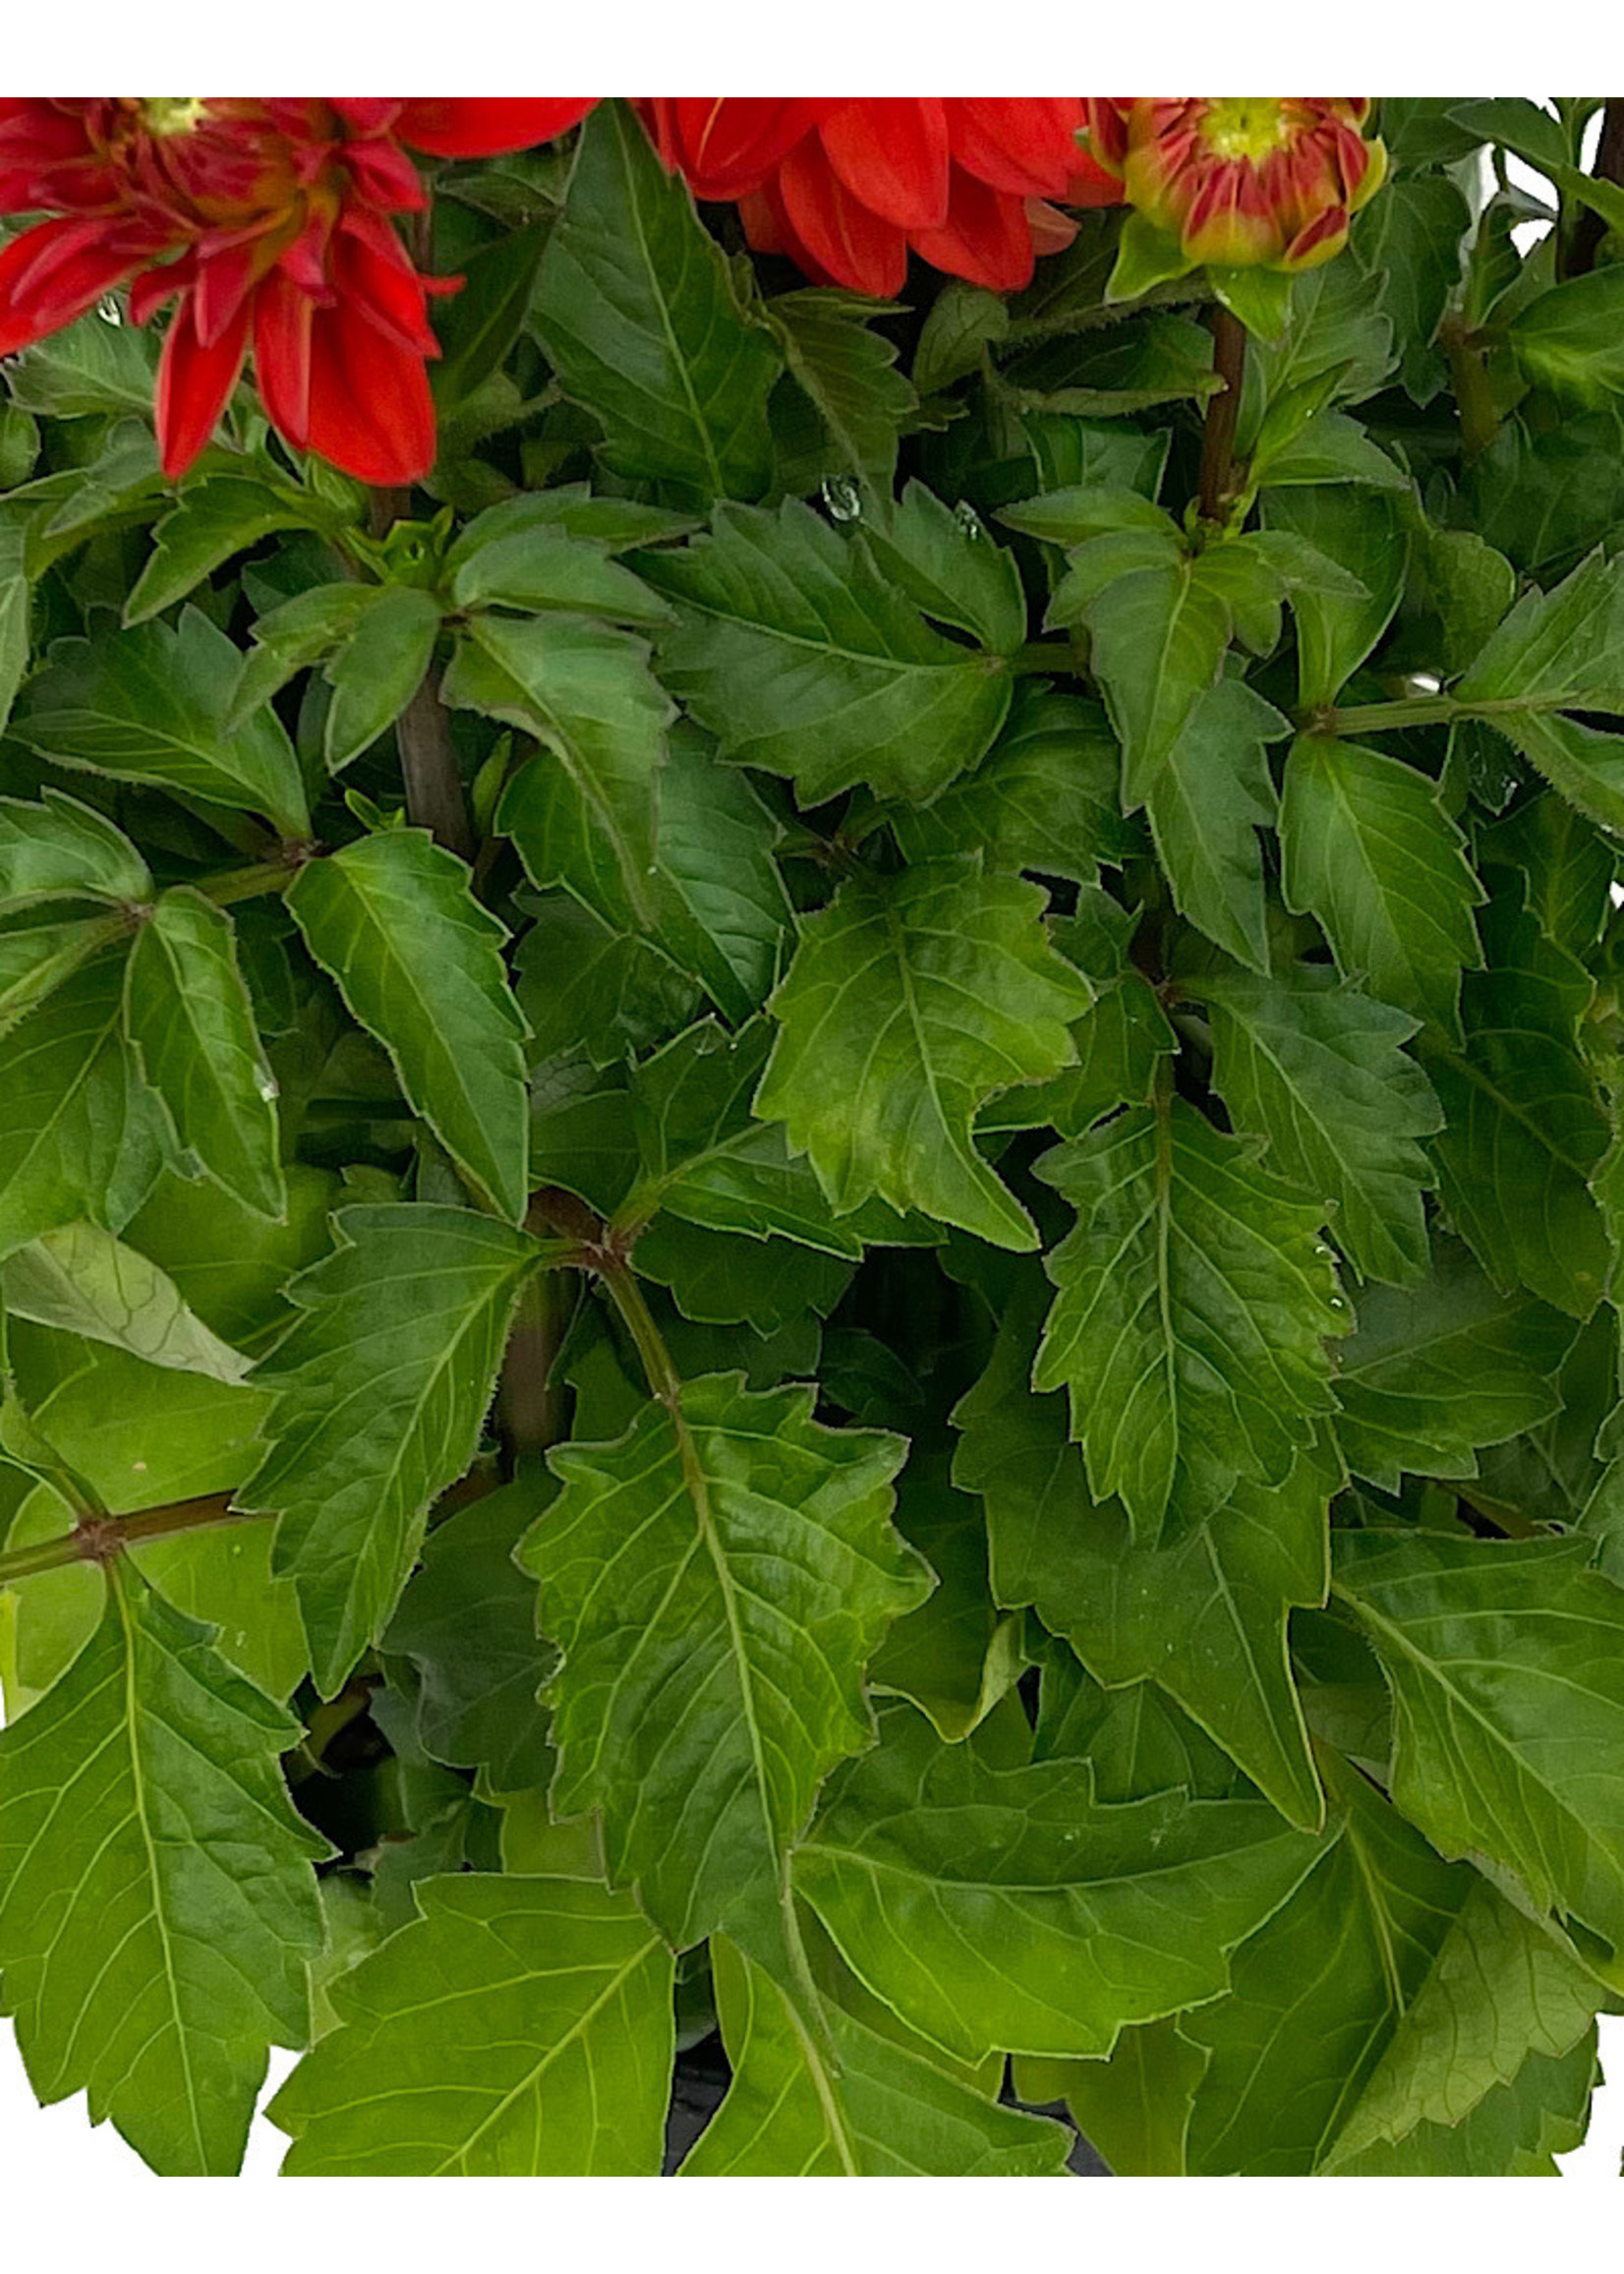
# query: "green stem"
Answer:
x=1050 y=654
x=1229 y=361
x=247 y=884
x=621 y=1288
x=1577 y=247
x=1380 y=718
x=100 y=1539
x=1474 y=395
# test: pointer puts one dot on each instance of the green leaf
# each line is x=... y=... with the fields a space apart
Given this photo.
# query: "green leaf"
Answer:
x=292 y=637
x=1560 y=650
x=1318 y=1068
x=954 y=1658
x=1360 y=529
x=1158 y=637
x=519 y=2029
x=1508 y=1682
x=1501 y=1989
x=418 y=961
x=949 y=566
x=188 y=1014
x=804 y=659
x=209 y=522
x=61 y=847
x=37 y=952
x=1367 y=847
x=848 y=373
x=467 y=1621
x=381 y=1386
x=479 y=325
x=911 y=1000
x=1223 y=1589
x=1206 y=802
x=81 y=1280
x=1515 y=2131
x=1007 y=1908
x=583 y=811
x=719 y=901
x=150 y=704
x=1133 y=2107
x=92 y=368
x=1436 y=1371
x=704 y=1695
x=518 y=554
x=639 y=311
x=79 y=1138
x=158 y=1910
x=1411 y=236
x=877 y=2109
x=378 y=670
x=1319 y=1991
x=1195 y=1296
x=1568 y=338
x=1526 y=1129
x=15 y=613
x=1043 y=798
x=585 y=988
x=1331 y=448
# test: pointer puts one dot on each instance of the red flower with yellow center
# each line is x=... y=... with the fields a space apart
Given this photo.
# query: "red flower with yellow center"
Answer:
x=268 y=222
x=1247 y=181
x=847 y=186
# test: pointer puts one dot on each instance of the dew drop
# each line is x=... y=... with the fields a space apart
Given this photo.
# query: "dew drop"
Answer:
x=266 y=1084
x=1337 y=1303
x=842 y=499
x=968 y=519
x=109 y=310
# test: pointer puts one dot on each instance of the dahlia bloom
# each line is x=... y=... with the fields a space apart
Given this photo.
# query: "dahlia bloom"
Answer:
x=268 y=222
x=1242 y=182
x=847 y=186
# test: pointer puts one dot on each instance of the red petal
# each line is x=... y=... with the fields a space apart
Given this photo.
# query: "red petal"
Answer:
x=987 y=238
x=483 y=127
x=847 y=242
x=368 y=271
x=371 y=410
x=193 y=383
x=892 y=154
x=53 y=274
x=1023 y=144
x=725 y=146
x=224 y=279
x=282 y=316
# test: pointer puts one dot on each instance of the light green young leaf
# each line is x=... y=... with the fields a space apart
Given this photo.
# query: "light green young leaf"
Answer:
x=158 y=1912
x=1437 y=1369
x=639 y=311
x=1517 y=2131
x=1319 y=1070
x=418 y=961
x=62 y=848
x=700 y=1705
x=150 y=704
x=83 y=1281
x=513 y=557
x=583 y=812
x=1007 y=1908
x=520 y=2028
x=911 y=1000
x=877 y=2109
x=1506 y=1660
x=1369 y=849
x=1501 y=1989
x=804 y=659
x=1319 y=1991
x=382 y=1387
x=189 y=1016
x=292 y=637
x=1134 y=2106
x=1567 y=338
x=1195 y=1295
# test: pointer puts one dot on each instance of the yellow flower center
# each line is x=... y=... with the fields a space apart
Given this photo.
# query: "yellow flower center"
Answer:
x=172 y=114
x=1246 y=125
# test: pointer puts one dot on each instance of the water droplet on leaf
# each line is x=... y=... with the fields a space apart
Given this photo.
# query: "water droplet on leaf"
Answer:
x=842 y=499
x=968 y=519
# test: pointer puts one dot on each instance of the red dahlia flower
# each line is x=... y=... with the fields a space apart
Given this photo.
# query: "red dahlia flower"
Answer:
x=1247 y=181
x=267 y=220
x=849 y=185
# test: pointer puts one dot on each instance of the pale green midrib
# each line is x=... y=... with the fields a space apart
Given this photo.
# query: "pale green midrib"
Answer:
x=138 y=1781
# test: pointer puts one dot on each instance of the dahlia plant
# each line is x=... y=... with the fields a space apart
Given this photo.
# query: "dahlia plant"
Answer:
x=809 y=1202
